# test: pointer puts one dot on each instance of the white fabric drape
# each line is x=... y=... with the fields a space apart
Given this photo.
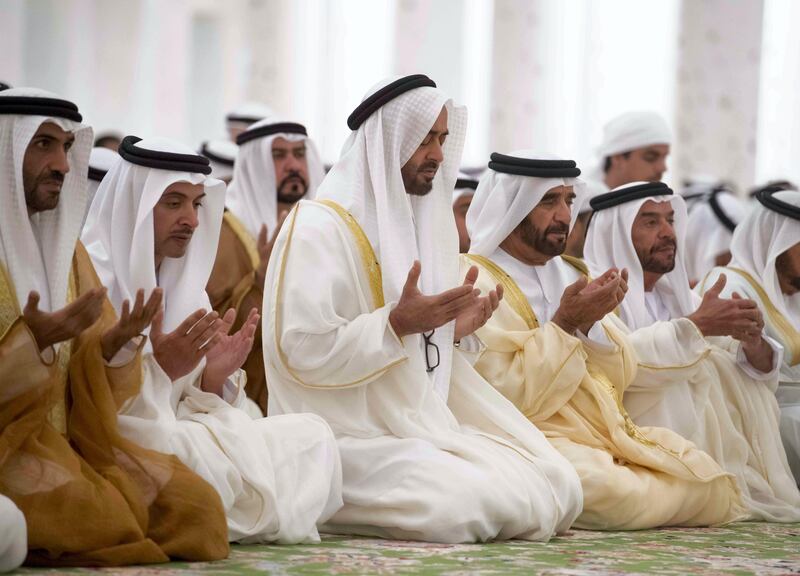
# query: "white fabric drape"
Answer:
x=609 y=244
x=22 y=238
x=758 y=241
x=713 y=237
x=252 y=195
x=402 y=228
x=119 y=235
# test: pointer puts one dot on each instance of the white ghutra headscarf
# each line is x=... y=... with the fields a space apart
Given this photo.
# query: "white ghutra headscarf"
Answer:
x=402 y=228
x=119 y=235
x=712 y=234
x=609 y=244
x=37 y=251
x=503 y=200
x=253 y=193
x=758 y=241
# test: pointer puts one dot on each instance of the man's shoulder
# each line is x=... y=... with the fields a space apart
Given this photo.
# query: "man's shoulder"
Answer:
x=576 y=263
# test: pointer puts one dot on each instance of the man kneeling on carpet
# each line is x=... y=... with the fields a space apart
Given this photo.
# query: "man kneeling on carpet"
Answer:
x=557 y=351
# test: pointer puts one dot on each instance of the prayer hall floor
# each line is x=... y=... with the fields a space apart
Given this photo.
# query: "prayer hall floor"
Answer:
x=743 y=548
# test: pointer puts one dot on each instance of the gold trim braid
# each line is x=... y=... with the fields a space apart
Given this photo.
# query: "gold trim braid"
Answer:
x=791 y=336
x=244 y=237
x=374 y=277
x=512 y=294
x=9 y=307
x=368 y=258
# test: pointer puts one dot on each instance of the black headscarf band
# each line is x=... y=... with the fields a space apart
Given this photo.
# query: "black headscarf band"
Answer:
x=162 y=160
x=716 y=208
x=243 y=119
x=37 y=106
x=385 y=95
x=768 y=200
x=270 y=130
x=534 y=167
x=96 y=174
x=630 y=194
x=466 y=183
x=205 y=151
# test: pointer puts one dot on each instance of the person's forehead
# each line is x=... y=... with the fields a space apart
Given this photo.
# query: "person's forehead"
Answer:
x=283 y=143
x=186 y=189
x=651 y=206
x=54 y=130
x=662 y=149
x=561 y=189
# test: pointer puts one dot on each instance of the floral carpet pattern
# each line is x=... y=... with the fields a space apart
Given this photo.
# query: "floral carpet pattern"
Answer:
x=744 y=548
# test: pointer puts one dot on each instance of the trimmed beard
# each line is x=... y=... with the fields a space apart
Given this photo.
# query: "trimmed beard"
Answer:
x=537 y=240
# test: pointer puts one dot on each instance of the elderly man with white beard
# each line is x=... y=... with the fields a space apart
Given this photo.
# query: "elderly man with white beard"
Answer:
x=705 y=368
x=557 y=351
x=368 y=326
x=155 y=224
x=765 y=267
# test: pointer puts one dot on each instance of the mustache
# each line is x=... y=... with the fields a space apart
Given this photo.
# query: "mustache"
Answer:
x=557 y=229
x=183 y=230
x=665 y=244
x=293 y=174
x=430 y=165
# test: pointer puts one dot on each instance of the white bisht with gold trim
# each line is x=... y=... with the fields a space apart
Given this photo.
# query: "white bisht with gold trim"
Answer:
x=757 y=243
x=437 y=456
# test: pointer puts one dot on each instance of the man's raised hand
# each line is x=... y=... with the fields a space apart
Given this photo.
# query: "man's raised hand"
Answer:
x=584 y=303
x=264 y=246
x=131 y=323
x=416 y=313
x=50 y=328
x=477 y=314
x=181 y=350
x=226 y=353
x=737 y=317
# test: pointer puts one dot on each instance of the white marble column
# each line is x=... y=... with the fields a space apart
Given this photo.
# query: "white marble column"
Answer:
x=778 y=150
x=717 y=104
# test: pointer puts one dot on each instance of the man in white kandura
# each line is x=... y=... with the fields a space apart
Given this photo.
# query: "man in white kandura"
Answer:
x=559 y=353
x=368 y=326
x=765 y=267
x=705 y=368
x=155 y=223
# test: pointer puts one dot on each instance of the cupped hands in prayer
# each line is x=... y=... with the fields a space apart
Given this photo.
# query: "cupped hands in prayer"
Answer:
x=131 y=323
x=477 y=314
x=201 y=334
x=416 y=313
x=227 y=352
x=50 y=328
x=178 y=352
x=584 y=303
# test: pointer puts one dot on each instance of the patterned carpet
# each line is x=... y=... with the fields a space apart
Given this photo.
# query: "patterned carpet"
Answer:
x=745 y=548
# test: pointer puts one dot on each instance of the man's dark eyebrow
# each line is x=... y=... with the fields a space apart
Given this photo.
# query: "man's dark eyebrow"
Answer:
x=51 y=138
x=443 y=133
x=656 y=214
x=549 y=196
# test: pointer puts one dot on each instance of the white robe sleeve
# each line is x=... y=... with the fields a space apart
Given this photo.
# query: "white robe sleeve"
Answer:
x=664 y=349
x=324 y=339
x=13 y=536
